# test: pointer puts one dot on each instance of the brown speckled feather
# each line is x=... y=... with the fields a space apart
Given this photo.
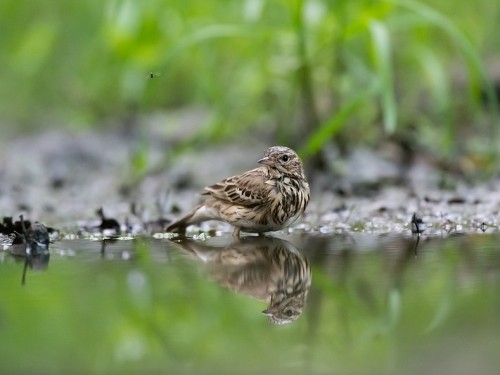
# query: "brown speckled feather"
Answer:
x=248 y=189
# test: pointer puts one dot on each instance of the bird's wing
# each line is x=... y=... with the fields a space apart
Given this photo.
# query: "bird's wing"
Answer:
x=248 y=189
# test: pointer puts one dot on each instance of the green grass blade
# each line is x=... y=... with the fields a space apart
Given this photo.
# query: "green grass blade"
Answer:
x=331 y=127
x=382 y=56
x=478 y=74
x=207 y=33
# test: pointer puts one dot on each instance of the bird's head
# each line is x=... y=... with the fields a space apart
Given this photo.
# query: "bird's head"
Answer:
x=284 y=160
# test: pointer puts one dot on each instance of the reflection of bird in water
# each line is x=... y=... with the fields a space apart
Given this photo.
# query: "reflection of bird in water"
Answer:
x=265 y=268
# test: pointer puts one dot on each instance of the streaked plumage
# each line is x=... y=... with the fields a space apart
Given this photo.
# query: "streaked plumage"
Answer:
x=265 y=268
x=264 y=199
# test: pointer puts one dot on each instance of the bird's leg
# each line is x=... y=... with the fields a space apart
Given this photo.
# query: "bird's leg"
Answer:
x=236 y=232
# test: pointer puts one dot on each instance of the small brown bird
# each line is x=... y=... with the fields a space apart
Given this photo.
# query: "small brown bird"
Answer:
x=264 y=199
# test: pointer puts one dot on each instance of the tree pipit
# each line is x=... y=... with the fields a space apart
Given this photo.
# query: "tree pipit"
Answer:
x=268 y=198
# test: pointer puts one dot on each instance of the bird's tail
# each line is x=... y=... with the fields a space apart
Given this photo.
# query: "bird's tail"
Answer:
x=192 y=217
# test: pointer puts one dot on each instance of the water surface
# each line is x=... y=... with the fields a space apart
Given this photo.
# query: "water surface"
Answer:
x=318 y=304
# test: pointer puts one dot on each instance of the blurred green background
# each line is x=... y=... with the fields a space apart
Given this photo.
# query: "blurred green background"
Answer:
x=302 y=71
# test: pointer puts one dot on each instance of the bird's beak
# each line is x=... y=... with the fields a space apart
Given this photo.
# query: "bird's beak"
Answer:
x=266 y=161
x=267 y=312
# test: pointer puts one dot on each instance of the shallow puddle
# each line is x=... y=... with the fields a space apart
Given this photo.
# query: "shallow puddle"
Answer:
x=316 y=304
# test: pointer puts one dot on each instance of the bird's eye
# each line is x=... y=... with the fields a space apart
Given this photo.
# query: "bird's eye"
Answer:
x=285 y=158
x=288 y=312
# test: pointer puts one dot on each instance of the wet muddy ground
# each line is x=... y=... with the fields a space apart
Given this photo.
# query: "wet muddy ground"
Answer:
x=62 y=180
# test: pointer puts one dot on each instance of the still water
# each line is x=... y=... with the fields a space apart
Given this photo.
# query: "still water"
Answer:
x=297 y=304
